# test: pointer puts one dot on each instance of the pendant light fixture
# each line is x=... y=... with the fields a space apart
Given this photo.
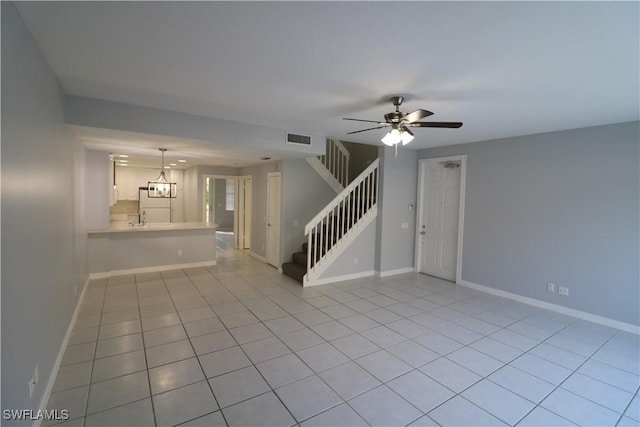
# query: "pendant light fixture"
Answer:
x=161 y=187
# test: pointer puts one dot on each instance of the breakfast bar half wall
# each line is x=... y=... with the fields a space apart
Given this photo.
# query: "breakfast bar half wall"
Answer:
x=153 y=247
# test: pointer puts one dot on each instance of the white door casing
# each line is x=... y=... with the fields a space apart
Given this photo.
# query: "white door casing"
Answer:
x=274 y=195
x=440 y=217
x=243 y=213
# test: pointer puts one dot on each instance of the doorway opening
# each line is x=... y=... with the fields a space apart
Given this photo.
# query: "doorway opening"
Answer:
x=440 y=217
x=226 y=201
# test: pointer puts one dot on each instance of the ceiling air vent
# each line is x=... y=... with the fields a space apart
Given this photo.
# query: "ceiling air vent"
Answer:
x=293 y=138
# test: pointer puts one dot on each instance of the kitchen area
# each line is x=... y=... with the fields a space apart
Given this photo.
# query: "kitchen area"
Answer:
x=136 y=223
x=132 y=202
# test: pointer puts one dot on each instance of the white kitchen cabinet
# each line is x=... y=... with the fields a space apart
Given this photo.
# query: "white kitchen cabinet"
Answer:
x=127 y=183
x=176 y=175
x=147 y=174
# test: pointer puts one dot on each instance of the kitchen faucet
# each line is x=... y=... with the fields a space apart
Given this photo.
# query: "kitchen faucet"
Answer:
x=144 y=217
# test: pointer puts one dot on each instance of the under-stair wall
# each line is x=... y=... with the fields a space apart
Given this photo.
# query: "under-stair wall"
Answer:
x=340 y=223
x=357 y=259
x=304 y=194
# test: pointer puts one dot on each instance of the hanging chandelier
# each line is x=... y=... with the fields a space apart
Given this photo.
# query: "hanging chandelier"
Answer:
x=161 y=187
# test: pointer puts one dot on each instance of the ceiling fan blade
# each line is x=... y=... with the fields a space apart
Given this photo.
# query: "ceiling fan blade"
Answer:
x=416 y=115
x=364 y=130
x=360 y=120
x=406 y=129
x=435 y=124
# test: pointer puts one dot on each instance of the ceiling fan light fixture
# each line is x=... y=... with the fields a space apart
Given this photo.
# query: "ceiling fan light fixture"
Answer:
x=395 y=136
x=392 y=138
x=406 y=137
x=400 y=123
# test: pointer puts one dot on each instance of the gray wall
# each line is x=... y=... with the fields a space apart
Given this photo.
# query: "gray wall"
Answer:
x=192 y=199
x=398 y=184
x=559 y=207
x=43 y=226
x=97 y=189
x=360 y=157
x=105 y=114
x=304 y=194
x=358 y=257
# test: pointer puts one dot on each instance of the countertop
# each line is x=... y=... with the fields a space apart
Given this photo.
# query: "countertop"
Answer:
x=174 y=226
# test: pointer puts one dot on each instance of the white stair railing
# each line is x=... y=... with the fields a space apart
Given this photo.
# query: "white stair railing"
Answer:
x=336 y=160
x=333 y=227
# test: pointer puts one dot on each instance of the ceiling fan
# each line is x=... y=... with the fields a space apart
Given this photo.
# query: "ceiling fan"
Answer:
x=401 y=122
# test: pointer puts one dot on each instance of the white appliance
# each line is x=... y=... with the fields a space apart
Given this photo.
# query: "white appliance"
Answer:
x=154 y=209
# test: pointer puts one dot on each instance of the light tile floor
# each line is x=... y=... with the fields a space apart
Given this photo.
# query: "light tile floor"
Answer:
x=240 y=344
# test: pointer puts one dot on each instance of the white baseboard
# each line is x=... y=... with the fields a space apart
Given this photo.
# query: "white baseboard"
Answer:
x=111 y=273
x=628 y=327
x=56 y=366
x=395 y=272
x=339 y=278
x=258 y=257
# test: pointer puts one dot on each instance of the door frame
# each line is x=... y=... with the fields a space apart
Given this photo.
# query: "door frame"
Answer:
x=279 y=266
x=241 y=210
x=422 y=163
x=236 y=205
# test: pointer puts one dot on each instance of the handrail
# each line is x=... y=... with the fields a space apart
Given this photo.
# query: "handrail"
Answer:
x=343 y=214
x=336 y=160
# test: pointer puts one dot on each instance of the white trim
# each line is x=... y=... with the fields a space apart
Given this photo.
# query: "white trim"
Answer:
x=463 y=178
x=56 y=366
x=203 y=195
x=395 y=272
x=111 y=273
x=324 y=173
x=258 y=257
x=342 y=278
x=279 y=237
x=627 y=327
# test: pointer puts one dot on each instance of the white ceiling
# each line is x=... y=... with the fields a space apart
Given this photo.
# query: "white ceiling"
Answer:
x=502 y=68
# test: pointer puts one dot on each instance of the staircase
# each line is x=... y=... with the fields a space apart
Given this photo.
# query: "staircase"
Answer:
x=333 y=166
x=335 y=227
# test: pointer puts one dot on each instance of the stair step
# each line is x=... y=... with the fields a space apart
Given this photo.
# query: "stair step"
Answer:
x=295 y=271
x=300 y=258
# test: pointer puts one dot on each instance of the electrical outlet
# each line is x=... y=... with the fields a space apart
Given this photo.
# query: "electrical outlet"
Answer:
x=563 y=290
x=551 y=287
x=179 y=252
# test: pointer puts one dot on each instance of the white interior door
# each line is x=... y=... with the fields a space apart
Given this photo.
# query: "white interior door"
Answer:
x=274 y=194
x=438 y=219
